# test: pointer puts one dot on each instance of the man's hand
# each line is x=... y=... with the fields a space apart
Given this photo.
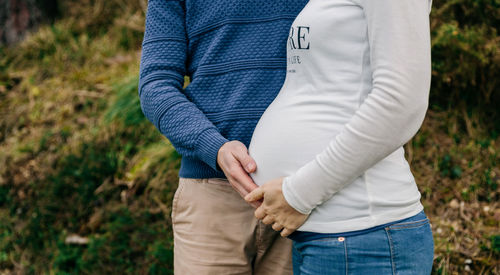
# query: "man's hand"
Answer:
x=275 y=209
x=234 y=160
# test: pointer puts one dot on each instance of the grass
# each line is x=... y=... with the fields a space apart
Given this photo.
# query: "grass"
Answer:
x=77 y=157
x=458 y=177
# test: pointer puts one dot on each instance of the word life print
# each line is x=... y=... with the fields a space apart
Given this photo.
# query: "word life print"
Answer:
x=298 y=39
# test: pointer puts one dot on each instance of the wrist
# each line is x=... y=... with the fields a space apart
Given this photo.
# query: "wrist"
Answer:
x=291 y=198
x=208 y=146
x=220 y=152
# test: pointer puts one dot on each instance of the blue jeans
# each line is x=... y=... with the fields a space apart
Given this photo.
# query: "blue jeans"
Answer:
x=405 y=247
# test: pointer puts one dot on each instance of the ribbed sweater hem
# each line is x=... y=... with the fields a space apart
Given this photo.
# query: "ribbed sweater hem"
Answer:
x=197 y=169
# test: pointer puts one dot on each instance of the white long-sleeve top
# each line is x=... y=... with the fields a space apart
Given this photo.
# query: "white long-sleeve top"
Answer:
x=356 y=90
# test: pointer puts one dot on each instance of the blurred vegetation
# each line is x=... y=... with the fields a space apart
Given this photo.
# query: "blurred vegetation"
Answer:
x=86 y=182
x=466 y=62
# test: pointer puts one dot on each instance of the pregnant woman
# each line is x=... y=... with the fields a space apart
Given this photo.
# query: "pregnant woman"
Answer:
x=330 y=161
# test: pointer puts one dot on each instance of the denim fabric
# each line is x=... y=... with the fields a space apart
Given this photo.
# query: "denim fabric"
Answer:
x=303 y=236
x=406 y=247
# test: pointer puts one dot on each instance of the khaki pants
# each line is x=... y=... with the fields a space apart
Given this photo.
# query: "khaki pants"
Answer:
x=216 y=232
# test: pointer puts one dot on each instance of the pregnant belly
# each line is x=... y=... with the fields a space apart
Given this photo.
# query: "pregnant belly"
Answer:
x=288 y=135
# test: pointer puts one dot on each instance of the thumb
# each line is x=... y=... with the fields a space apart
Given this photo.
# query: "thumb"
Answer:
x=255 y=195
x=245 y=160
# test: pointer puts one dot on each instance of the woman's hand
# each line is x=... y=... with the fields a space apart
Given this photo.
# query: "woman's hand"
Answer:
x=274 y=209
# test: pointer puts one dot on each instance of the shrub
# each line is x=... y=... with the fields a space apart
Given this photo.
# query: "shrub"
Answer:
x=466 y=58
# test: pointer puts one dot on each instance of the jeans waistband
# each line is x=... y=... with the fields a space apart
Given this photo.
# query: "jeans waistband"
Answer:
x=303 y=236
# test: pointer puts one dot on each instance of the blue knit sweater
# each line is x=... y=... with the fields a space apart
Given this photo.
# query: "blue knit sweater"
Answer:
x=235 y=54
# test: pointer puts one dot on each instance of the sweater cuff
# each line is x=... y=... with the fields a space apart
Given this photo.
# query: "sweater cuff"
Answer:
x=208 y=145
x=292 y=199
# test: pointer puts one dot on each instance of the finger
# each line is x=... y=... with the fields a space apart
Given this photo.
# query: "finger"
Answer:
x=259 y=213
x=238 y=187
x=255 y=204
x=285 y=232
x=268 y=219
x=244 y=179
x=255 y=195
x=241 y=177
x=277 y=227
x=245 y=159
x=244 y=192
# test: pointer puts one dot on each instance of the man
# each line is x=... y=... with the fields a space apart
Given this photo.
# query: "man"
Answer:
x=235 y=55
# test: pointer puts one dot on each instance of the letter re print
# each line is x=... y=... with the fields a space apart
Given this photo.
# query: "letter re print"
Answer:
x=298 y=38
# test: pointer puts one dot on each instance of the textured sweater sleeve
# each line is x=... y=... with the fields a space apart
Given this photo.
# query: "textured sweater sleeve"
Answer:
x=399 y=39
x=162 y=70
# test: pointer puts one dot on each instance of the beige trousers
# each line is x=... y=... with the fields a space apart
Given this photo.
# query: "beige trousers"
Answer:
x=216 y=232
